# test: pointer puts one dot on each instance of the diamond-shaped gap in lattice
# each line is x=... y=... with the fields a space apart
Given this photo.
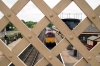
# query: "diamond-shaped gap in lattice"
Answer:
x=30 y=13
x=51 y=3
x=10 y=33
x=72 y=11
x=45 y=37
x=9 y=3
x=90 y=36
x=10 y=36
x=50 y=36
x=93 y=4
x=1 y=14
x=30 y=55
x=70 y=56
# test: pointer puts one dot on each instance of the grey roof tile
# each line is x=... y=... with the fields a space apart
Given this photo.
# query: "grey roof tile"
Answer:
x=91 y=29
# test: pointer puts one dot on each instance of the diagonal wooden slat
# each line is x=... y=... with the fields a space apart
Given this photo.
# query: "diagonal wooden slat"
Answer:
x=68 y=34
x=86 y=21
x=29 y=35
x=97 y=10
x=81 y=62
x=77 y=30
x=11 y=56
x=16 y=50
x=21 y=45
x=6 y=60
x=15 y=9
x=95 y=51
x=89 y=12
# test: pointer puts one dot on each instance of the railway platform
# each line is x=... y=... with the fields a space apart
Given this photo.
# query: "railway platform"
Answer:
x=68 y=57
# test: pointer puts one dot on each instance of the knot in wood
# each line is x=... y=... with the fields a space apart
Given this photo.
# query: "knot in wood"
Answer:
x=9 y=15
x=49 y=57
x=89 y=58
x=71 y=37
x=93 y=17
x=29 y=36
x=10 y=56
x=51 y=15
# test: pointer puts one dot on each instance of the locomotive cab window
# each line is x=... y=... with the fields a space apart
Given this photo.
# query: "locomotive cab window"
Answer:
x=50 y=35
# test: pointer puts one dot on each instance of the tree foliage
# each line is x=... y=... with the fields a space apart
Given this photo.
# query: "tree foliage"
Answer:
x=29 y=24
x=50 y=25
x=11 y=27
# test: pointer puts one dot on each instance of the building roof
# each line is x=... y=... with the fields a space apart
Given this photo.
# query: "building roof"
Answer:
x=91 y=29
x=71 y=23
x=93 y=38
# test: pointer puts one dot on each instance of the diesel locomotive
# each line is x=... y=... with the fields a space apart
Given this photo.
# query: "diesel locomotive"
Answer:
x=49 y=37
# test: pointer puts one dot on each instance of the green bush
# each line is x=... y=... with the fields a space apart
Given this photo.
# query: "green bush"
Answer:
x=10 y=38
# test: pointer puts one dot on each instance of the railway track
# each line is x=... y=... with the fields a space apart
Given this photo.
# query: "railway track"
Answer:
x=29 y=56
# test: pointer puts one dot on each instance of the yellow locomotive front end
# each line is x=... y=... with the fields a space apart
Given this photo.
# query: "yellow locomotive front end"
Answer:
x=50 y=40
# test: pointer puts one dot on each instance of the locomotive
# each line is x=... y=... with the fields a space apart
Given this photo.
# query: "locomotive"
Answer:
x=49 y=37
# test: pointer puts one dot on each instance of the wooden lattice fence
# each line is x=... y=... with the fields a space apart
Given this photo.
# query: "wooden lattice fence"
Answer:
x=51 y=15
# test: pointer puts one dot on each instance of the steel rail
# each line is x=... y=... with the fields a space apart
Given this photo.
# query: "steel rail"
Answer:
x=28 y=54
x=34 y=60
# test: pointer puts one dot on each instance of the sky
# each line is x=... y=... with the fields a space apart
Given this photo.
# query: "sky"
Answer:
x=31 y=13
